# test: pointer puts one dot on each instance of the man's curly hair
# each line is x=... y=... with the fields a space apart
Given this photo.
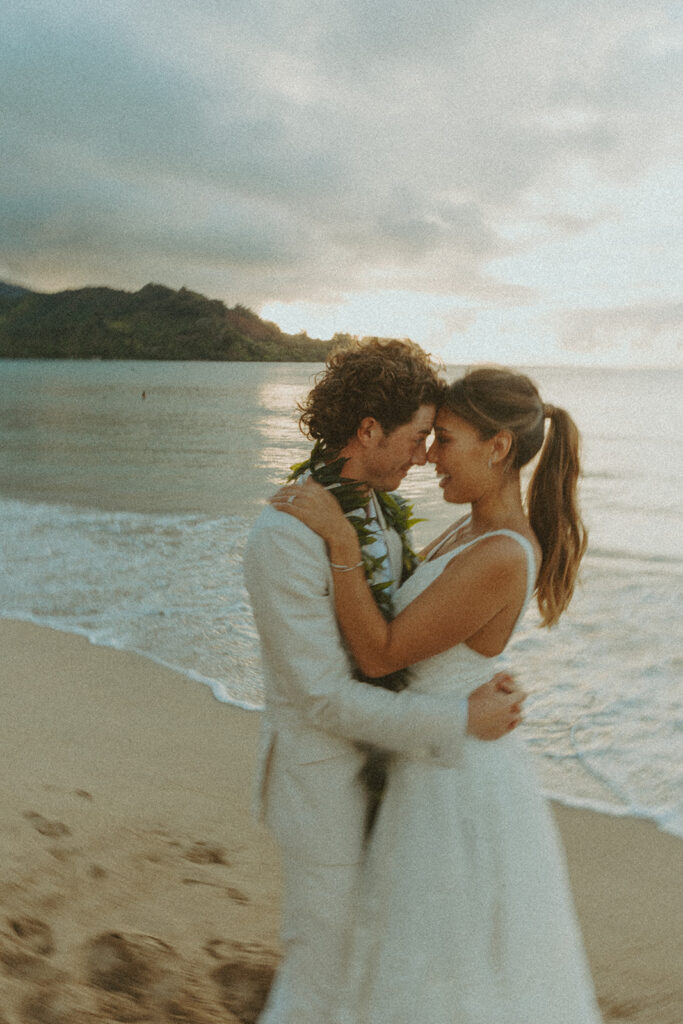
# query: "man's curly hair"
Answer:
x=386 y=379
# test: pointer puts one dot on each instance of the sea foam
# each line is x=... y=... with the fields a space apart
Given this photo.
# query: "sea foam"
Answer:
x=604 y=714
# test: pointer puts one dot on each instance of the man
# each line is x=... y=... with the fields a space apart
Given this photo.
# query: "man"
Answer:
x=373 y=406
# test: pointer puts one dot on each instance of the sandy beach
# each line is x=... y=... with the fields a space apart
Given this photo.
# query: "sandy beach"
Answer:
x=134 y=885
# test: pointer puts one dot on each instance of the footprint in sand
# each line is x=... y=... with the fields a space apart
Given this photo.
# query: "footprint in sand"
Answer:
x=619 y=1011
x=130 y=963
x=35 y=934
x=236 y=895
x=224 y=949
x=24 y=949
x=20 y=963
x=52 y=829
x=219 y=949
x=202 y=852
x=114 y=1007
x=244 y=985
x=58 y=1004
x=233 y=894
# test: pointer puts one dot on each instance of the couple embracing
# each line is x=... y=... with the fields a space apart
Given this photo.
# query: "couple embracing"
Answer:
x=446 y=901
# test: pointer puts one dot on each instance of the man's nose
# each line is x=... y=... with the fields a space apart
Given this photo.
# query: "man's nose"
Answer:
x=420 y=454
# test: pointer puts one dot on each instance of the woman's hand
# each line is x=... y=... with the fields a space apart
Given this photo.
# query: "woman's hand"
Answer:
x=317 y=509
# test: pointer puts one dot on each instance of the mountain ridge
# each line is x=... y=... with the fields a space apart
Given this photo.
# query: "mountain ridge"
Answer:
x=156 y=322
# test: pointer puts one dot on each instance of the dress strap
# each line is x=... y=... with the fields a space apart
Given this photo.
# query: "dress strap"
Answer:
x=434 y=553
x=531 y=567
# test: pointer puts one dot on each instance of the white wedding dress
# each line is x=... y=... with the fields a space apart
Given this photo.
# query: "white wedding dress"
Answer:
x=466 y=916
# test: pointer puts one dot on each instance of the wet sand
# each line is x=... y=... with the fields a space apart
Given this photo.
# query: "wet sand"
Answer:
x=134 y=885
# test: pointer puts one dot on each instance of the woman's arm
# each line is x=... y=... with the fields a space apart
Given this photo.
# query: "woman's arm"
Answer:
x=481 y=583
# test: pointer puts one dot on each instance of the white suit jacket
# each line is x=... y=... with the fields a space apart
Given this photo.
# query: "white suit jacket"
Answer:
x=308 y=790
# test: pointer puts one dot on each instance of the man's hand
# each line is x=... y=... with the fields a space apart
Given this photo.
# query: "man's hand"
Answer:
x=495 y=708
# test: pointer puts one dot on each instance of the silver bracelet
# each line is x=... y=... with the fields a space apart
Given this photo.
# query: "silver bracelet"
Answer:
x=346 y=568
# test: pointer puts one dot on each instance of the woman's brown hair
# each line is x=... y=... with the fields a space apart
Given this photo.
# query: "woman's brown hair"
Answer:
x=493 y=399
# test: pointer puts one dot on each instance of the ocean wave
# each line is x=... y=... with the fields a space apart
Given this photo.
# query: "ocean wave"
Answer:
x=633 y=558
x=170 y=588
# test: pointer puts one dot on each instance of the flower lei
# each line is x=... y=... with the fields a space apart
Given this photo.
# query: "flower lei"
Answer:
x=325 y=467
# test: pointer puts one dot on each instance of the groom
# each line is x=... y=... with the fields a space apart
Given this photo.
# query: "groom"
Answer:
x=374 y=405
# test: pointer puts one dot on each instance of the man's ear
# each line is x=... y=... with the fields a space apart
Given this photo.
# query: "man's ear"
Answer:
x=369 y=431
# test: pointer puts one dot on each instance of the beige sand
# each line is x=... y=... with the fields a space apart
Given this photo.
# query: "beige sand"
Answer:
x=135 y=887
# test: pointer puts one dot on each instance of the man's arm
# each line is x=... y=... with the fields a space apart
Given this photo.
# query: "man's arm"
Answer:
x=288 y=581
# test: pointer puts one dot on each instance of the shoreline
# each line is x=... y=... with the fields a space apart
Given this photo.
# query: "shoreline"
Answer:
x=570 y=801
x=125 y=797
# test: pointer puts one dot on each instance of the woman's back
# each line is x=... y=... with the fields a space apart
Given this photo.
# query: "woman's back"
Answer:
x=459 y=669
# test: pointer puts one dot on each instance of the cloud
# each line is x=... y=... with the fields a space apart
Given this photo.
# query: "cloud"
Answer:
x=654 y=327
x=311 y=150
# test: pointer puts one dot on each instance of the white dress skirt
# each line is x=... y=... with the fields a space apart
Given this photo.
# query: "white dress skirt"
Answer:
x=466 y=916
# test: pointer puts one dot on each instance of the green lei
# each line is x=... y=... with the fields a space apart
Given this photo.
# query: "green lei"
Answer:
x=325 y=467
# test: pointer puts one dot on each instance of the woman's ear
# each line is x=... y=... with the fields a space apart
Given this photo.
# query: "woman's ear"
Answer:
x=501 y=446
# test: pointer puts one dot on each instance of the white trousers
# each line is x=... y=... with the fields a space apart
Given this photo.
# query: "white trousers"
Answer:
x=318 y=912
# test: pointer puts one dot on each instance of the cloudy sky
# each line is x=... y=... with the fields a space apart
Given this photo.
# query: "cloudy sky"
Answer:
x=497 y=179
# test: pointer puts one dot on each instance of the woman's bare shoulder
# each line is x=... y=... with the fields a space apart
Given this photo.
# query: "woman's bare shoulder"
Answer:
x=496 y=555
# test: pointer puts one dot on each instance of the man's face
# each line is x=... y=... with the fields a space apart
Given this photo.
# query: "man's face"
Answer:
x=390 y=457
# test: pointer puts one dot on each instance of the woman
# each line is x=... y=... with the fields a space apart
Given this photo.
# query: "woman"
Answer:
x=466 y=916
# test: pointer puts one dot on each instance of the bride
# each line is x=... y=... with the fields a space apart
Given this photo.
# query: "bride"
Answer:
x=466 y=915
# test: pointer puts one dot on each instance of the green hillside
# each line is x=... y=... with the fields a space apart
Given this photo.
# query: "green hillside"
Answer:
x=153 y=323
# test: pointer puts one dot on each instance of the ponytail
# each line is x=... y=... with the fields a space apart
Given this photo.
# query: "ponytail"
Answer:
x=554 y=515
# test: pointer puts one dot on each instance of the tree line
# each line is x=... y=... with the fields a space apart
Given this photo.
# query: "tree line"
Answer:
x=153 y=323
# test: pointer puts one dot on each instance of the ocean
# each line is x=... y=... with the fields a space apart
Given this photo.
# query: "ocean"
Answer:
x=127 y=490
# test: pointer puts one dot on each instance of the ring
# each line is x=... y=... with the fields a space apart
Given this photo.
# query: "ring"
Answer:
x=291 y=498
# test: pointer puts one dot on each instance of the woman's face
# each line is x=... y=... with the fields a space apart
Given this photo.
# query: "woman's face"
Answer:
x=460 y=457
